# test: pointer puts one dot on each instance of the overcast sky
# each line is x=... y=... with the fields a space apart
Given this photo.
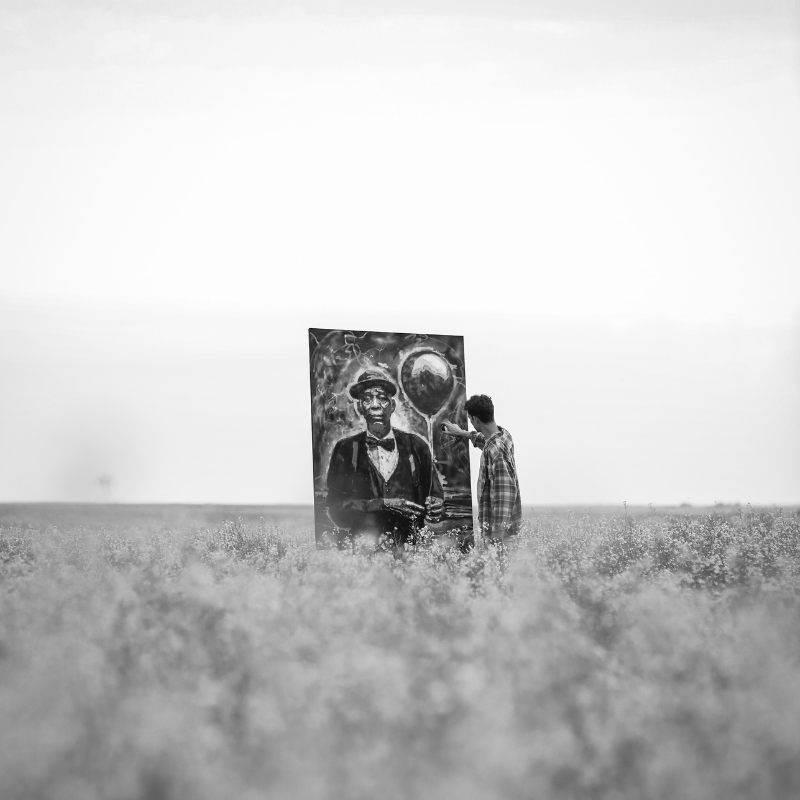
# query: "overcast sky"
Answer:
x=602 y=197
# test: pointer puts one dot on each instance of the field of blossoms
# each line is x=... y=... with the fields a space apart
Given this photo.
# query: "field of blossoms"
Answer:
x=631 y=656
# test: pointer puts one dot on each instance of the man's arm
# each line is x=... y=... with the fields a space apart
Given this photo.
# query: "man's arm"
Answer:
x=430 y=488
x=343 y=508
x=502 y=494
x=453 y=429
x=477 y=439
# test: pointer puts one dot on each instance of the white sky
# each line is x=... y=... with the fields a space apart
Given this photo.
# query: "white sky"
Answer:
x=603 y=198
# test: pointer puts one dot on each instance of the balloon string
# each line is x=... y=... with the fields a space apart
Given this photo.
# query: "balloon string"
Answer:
x=433 y=452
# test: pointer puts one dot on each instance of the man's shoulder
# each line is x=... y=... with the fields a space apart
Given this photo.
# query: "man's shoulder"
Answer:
x=347 y=442
x=499 y=443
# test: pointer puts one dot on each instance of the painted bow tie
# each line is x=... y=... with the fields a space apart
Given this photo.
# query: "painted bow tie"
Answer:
x=386 y=444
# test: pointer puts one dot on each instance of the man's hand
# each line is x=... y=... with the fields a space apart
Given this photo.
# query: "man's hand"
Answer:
x=363 y=506
x=404 y=507
x=434 y=509
x=453 y=430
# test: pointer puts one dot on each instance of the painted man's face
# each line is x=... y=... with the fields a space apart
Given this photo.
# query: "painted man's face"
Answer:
x=376 y=407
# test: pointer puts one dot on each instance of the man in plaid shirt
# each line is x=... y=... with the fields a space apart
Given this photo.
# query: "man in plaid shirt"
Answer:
x=499 y=503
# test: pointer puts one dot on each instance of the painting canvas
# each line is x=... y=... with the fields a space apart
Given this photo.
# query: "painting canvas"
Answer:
x=384 y=472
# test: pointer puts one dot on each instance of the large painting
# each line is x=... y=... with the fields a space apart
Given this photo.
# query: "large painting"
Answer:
x=384 y=472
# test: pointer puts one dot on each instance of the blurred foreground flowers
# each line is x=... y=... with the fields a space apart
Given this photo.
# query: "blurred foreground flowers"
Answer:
x=624 y=657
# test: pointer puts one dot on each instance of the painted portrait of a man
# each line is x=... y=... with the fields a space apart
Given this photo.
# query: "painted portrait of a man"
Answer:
x=383 y=471
x=382 y=481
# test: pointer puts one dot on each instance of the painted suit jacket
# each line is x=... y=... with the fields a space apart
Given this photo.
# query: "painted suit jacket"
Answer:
x=354 y=481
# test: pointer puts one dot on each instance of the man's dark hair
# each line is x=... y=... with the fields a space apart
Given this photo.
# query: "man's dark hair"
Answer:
x=480 y=406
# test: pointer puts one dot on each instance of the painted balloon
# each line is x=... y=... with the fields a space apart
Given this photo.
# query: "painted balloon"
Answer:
x=427 y=381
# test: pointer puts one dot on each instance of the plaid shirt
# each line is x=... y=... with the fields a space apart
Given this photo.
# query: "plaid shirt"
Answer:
x=499 y=503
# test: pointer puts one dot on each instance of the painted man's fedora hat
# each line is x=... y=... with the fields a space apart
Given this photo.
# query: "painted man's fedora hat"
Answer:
x=370 y=378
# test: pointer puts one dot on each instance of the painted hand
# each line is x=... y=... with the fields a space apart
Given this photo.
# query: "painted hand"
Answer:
x=403 y=507
x=434 y=509
x=363 y=506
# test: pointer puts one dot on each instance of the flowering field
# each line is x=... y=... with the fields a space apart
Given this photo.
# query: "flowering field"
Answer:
x=633 y=656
